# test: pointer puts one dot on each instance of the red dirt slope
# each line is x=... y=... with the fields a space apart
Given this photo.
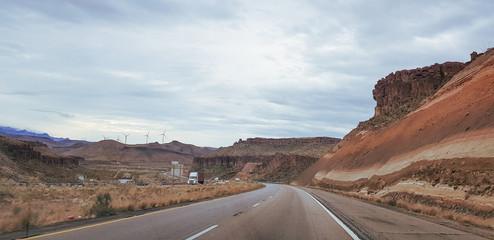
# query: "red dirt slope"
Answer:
x=444 y=149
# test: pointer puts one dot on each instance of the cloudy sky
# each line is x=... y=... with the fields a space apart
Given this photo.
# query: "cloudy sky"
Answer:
x=211 y=72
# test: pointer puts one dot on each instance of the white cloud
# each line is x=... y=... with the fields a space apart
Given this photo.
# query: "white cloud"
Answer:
x=215 y=71
x=126 y=74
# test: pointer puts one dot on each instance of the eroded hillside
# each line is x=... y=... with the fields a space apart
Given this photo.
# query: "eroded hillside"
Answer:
x=311 y=147
x=263 y=159
x=34 y=162
x=152 y=155
x=440 y=155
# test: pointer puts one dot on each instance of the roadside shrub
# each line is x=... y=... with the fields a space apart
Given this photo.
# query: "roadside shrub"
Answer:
x=392 y=202
x=102 y=206
x=143 y=206
x=131 y=207
x=16 y=210
x=28 y=220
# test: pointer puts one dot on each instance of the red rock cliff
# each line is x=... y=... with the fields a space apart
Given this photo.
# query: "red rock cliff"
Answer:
x=407 y=86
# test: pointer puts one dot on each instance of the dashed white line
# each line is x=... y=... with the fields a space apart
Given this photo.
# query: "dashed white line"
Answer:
x=202 y=232
x=347 y=230
x=255 y=205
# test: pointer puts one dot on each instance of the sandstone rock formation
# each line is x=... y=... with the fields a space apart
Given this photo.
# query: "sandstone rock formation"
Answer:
x=34 y=162
x=266 y=159
x=272 y=168
x=28 y=151
x=288 y=141
x=311 y=146
x=442 y=152
x=408 y=86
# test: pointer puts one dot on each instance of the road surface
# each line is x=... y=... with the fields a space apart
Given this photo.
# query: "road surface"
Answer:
x=274 y=212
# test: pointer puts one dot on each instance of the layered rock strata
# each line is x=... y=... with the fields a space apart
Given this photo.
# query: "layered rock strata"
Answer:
x=408 y=86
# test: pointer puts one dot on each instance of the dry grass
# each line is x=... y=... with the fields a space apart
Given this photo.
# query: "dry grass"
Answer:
x=440 y=211
x=447 y=214
x=40 y=205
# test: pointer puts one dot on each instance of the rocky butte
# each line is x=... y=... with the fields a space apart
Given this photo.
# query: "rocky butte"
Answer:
x=435 y=157
x=412 y=86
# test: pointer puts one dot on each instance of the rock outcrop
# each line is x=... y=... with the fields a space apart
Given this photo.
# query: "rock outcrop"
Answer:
x=288 y=141
x=273 y=168
x=441 y=151
x=311 y=146
x=27 y=151
x=412 y=86
x=34 y=162
x=267 y=159
x=241 y=161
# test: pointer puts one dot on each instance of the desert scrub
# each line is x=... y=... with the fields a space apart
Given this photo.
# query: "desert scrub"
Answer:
x=54 y=204
x=453 y=209
x=387 y=118
x=102 y=206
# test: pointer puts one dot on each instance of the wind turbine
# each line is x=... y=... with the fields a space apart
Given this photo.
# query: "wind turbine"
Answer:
x=105 y=138
x=164 y=136
x=118 y=138
x=126 y=135
x=147 y=137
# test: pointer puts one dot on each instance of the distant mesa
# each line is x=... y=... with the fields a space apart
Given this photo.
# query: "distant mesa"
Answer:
x=265 y=159
x=308 y=146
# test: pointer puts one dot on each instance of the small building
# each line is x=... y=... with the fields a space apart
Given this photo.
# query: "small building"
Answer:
x=124 y=181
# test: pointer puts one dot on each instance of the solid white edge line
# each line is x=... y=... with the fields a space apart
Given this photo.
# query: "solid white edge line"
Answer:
x=202 y=232
x=347 y=230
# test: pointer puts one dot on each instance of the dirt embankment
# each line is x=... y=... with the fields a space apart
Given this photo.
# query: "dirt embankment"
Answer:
x=443 y=148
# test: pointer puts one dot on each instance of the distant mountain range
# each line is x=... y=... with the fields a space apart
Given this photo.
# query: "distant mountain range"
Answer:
x=15 y=131
x=24 y=135
x=110 y=152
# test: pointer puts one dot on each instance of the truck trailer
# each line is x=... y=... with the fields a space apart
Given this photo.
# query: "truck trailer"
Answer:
x=196 y=177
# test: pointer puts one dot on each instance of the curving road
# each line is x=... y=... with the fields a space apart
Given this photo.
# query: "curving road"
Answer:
x=274 y=212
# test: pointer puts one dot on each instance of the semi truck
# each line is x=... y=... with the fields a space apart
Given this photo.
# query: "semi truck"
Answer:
x=196 y=177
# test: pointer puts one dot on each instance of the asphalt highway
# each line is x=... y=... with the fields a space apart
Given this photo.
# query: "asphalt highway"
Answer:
x=274 y=212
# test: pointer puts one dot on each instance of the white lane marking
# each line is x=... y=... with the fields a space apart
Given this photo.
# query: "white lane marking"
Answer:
x=255 y=205
x=270 y=196
x=202 y=232
x=347 y=230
